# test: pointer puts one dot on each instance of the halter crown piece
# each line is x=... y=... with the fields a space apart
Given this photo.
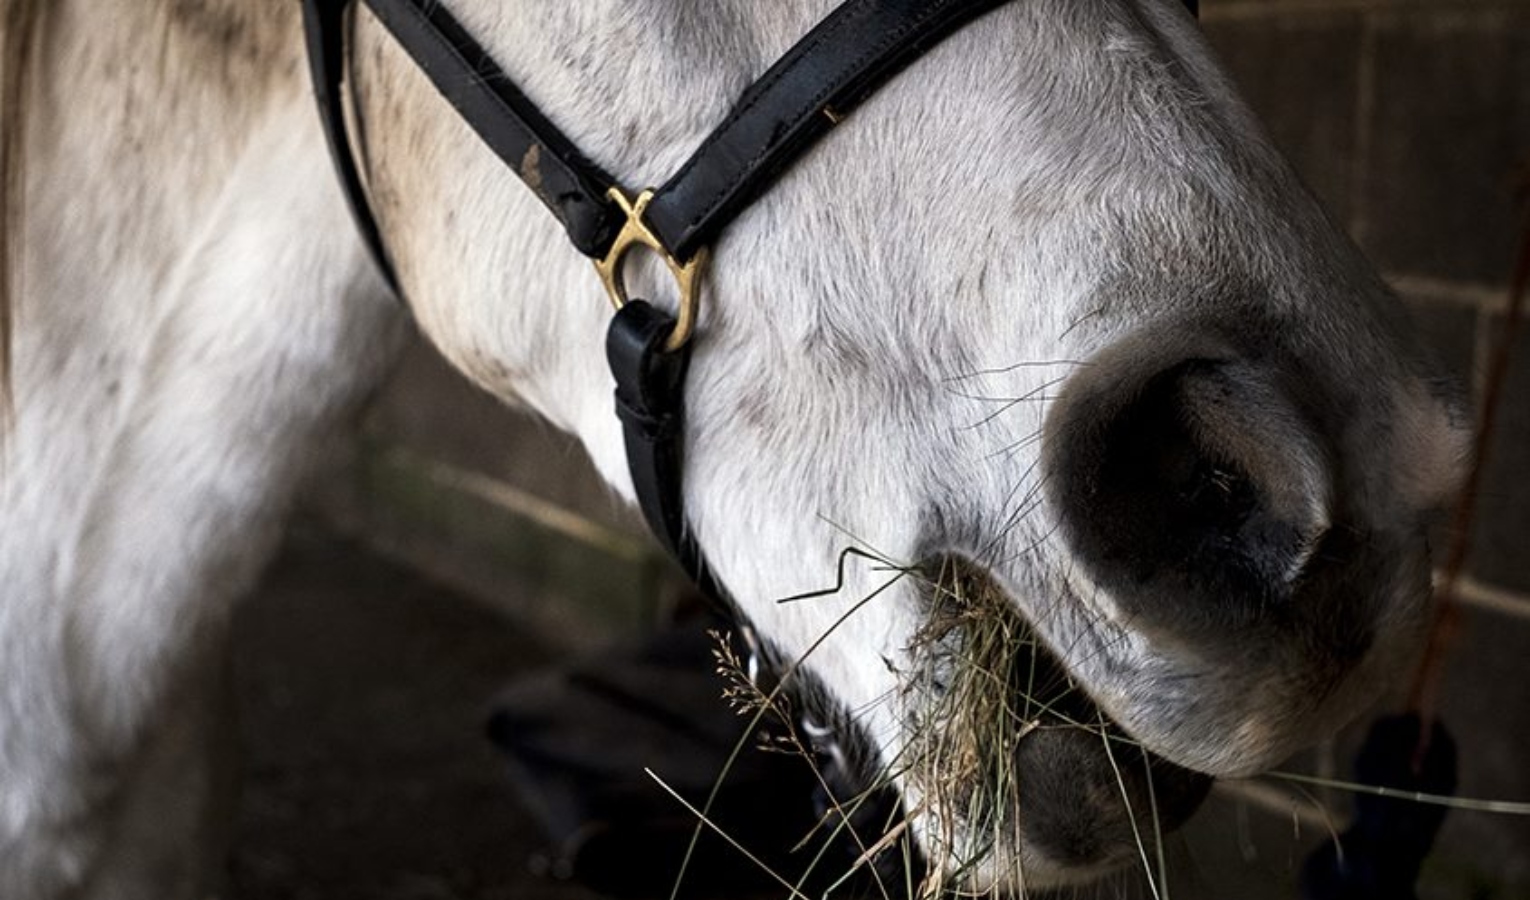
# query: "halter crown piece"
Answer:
x=844 y=59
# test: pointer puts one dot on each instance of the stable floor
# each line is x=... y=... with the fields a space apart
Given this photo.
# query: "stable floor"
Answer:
x=363 y=692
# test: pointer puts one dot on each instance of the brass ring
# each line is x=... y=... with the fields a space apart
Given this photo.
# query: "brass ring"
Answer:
x=635 y=232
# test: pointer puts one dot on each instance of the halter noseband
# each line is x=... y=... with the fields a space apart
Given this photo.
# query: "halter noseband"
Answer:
x=844 y=59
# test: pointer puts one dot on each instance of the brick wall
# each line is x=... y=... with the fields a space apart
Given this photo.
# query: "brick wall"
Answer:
x=1410 y=119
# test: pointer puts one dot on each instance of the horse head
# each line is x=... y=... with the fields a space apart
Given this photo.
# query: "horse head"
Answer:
x=1047 y=327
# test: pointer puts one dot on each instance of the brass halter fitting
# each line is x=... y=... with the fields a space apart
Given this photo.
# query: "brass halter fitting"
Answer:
x=637 y=233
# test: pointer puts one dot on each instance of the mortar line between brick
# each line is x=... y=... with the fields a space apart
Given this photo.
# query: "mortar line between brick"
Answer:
x=1360 y=160
x=1489 y=598
x=1283 y=803
x=517 y=502
x=1486 y=297
x=1243 y=10
x=1484 y=341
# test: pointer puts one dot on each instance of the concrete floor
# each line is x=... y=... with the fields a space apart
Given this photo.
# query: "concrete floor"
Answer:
x=363 y=691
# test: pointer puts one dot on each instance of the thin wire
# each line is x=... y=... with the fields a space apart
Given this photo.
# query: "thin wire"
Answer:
x=1499 y=807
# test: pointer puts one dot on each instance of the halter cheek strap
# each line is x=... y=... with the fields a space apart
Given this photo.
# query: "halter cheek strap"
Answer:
x=650 y=394
x=844 y=59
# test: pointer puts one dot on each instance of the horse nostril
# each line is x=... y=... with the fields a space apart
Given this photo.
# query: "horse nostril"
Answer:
x=1193 y=487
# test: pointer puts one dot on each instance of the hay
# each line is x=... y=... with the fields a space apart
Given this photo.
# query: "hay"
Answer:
x=986 y=685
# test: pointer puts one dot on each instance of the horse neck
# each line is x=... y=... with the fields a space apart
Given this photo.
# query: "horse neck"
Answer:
x=179 y=215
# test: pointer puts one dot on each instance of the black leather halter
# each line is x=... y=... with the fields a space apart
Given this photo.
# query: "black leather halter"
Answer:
x=845 y=58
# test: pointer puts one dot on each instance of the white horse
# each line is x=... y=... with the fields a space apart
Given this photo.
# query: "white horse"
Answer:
x=1048 y=302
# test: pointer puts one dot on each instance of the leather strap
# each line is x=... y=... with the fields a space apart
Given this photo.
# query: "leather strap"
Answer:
x=820 y=80
x=568 y=183
x=324 y=32
x=842 y=61
x=851 y=53
x=650 y=401
x=836 y=66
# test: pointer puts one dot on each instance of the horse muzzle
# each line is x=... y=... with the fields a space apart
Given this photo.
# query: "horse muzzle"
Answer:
x=1240 y=543
x=1015 y=776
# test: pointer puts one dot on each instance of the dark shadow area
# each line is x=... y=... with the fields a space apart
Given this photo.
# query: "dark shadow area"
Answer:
x=363 y=692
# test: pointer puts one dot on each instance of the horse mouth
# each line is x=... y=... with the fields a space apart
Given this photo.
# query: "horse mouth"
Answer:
x=1014 y=777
